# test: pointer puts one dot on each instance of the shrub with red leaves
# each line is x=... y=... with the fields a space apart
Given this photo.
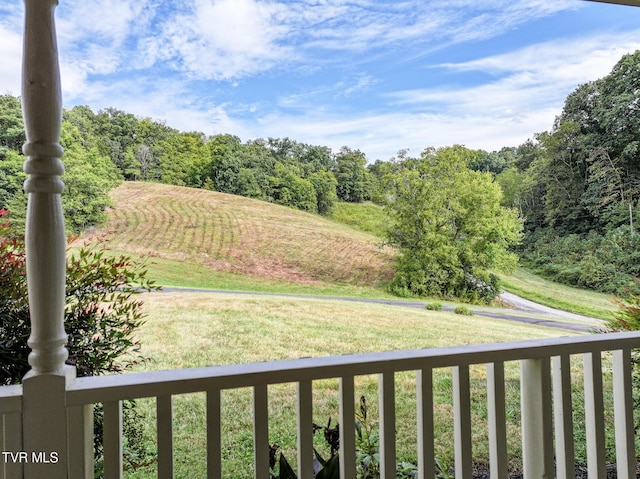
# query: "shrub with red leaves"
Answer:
x=101 y=313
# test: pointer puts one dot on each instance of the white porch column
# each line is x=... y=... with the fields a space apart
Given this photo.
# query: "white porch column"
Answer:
x=44 y=409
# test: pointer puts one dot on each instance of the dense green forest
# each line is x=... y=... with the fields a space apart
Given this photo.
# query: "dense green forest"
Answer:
x=575 y=187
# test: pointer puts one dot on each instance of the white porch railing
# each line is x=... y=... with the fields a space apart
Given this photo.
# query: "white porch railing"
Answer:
x=546 y=405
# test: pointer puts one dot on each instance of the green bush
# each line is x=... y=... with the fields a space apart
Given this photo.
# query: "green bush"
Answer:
x=435 y=306
x=100 y=314
x=418 y=274
x=402 y=291
x=463 y=310
x=101 y=317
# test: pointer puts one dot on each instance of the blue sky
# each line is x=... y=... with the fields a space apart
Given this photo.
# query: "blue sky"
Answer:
x=378 y=76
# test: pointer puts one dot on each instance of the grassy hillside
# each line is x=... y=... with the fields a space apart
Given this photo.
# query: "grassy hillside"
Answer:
x=232 y=234
x=367 y=217
x=560 y=296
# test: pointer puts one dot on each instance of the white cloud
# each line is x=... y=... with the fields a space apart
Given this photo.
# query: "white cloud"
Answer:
x=231 y=39
x=95 y=39
x=362 y=26
x=535 y=78
x=526 y=92
x=226 y=39
x=103 y=22
x=580 y=58
x=362 y=82
x=10 y=60
x=380 y=136
x=169 y=100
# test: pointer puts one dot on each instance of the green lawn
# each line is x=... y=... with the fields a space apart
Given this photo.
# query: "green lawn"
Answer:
x=193 y=329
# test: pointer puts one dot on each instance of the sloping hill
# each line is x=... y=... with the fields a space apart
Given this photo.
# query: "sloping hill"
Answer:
x=240 y=235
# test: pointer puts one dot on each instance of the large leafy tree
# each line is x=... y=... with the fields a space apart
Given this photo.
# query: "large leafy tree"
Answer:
x=287 y=188
x=88 y=178
x=564 y=168
x=324 y=184
x=351 y=175
x=182 y=157
x=580 y=186
x=449 y=226
x=592 y=171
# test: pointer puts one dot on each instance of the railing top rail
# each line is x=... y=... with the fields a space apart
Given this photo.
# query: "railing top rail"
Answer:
x=149 y=384
x=10 y=399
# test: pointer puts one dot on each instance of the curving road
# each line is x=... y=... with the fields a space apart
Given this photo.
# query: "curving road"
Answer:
x=522 y=310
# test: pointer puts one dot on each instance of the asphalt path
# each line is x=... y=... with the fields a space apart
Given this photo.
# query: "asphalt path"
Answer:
x=521 y=310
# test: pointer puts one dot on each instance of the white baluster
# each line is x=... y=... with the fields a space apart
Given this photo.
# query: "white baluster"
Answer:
x=261 y=431
x=387 y=408
x=80 y=421
x=623 y=413
x=462 y=422
x=347 y=428
x=164 y=419
x=496 y=411
x=112 y=440
x=304 y=414
x=563 y=417
x=594 y=415
x=214 y=440
x=424 y=399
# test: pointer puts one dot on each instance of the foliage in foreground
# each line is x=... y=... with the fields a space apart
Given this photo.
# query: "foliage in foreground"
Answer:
x=627 y=318
x=101 y=317
x=367 y=452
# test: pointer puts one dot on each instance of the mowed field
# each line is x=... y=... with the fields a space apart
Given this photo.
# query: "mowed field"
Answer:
x=234 y=234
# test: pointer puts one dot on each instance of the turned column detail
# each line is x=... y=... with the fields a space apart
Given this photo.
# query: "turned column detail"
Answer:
x=46 y=422
x=45 y=233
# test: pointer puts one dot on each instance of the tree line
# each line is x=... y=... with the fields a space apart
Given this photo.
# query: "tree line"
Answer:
x=575 y=188
x=110 y=146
